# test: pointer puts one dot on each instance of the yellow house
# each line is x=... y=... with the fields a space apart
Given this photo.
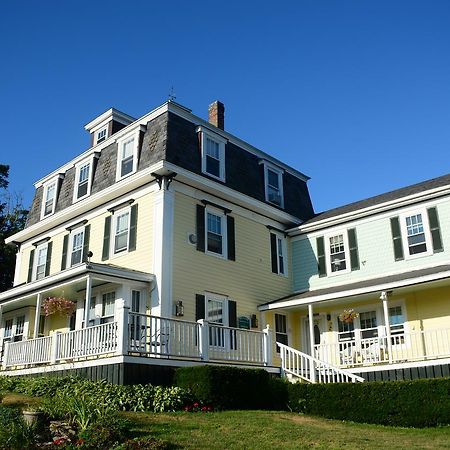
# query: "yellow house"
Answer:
x=171 y=242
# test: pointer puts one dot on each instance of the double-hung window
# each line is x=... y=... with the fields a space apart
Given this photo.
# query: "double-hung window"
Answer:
x=101 y=135
x=368 y=324
x=217 y=316
x=49 y=199
x=281 y=335
x=41 y=261
x=213 y=154
x=121 y=231
x=397 y=324
x=338 y=259
x=108 y=306
x=215 y=233
x=83 y=180
x=273 y=181
x=127 y=155
x=278 y=250
x=76 y=246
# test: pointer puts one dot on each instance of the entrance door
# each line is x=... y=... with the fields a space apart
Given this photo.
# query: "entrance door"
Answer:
x=319 y=333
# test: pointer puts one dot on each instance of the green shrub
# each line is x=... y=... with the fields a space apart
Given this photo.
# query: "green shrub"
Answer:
x=418 y=403
x=15 y=433
x=229 y=387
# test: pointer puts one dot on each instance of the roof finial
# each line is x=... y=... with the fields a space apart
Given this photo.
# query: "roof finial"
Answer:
x=172 y=95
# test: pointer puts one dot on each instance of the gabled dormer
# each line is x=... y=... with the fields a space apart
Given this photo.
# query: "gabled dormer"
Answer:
x=105 y=125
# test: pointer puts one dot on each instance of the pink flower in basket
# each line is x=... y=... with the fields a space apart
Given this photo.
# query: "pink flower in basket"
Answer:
x=348 y=315
x=58 y=305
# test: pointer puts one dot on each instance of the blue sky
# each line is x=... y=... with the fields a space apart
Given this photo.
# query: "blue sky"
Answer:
x=356 y=94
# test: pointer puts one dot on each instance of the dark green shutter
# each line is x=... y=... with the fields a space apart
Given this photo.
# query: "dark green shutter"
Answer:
x=200 y=228
x=232 y=322
x=49 y=259
x=87 y=233
x=321 y=263
x=106 y=235
x=433 y=220
x=397 y=239
x=64 y=252
x=30 y=266
x=273 y=252
x=231 y=239
x=353 y=247
x=199 y=307
x=133 y=227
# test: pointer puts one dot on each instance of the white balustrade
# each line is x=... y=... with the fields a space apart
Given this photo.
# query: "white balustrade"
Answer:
x=33 y=351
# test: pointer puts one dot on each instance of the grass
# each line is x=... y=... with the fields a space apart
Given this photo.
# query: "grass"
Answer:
x=281 y=430
x=270 y=430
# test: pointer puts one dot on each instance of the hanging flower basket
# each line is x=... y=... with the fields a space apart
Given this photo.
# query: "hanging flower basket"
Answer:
x=348 y=315
x=58 y=305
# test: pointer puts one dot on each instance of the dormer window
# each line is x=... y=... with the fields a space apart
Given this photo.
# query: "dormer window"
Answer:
x=83 y=180
x=101 y=135
x=127 y=155
x=49 y=198
x=273 y=179
x=213 y=154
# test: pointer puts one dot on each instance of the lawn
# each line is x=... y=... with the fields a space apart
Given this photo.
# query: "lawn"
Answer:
x=279 y=430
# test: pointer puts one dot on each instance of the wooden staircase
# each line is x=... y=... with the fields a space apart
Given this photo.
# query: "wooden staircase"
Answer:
x=296 y=366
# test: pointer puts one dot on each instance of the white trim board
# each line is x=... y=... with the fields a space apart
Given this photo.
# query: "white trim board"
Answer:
x=398 y=366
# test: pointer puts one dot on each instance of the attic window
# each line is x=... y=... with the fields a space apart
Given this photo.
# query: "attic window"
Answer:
x=49 y=197
x=101 y=135
x=273 y=184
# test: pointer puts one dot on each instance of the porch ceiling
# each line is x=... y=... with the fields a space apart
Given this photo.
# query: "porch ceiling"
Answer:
x=69 y=283
x=402 y=283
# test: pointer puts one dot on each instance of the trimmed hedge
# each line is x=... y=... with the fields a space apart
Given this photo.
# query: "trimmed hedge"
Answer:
x=418 y=403
x=233 y=388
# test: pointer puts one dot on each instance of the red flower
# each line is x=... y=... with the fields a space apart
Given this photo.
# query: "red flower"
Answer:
x=195 y=405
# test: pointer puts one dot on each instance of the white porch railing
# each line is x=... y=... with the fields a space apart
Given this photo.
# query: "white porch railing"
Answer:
x=313 y=370
x=404 y=347
x=145 y=335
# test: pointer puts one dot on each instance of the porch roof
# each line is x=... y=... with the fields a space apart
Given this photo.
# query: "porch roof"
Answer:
x=106 y=272
x=389 y=282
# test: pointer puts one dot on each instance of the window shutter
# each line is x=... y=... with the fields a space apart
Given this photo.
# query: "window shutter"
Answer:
x=199 y=307
x=107 y=232
x=273 y=252
x=133 y=227
x=321 y=263
x=200 y=228
x=30 y=266
x=232 y=322
x=49 y=259
x=64 y=252
x=87 y=232
x=433 y=220
x=353 y=244
x=231 y=239
x=397 y=239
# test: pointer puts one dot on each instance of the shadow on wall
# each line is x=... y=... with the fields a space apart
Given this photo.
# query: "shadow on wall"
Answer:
x=304 y=264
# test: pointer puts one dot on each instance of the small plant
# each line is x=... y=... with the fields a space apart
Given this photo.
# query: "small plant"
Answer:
x=197 y=407
x=58 y=305
x=348 y=315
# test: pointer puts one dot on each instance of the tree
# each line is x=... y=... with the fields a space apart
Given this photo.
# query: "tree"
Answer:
x=12 y=219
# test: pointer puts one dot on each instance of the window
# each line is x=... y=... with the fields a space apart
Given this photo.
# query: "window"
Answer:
x=216 y=314
x=215 y=232
x=368 y=324
x=41 y=262
x=337 y=253
x=76 y=247
x=121 y=232
x=14 y=328
x=273 y=177
x=213 y=155
x=8 y=328
x=397 y=324
x=346 y=331
x=83 y=177
x=278 y=250
x=136 y=321
x=48 y=206
x=281 y=330
x=127 y=156
x=415 y=234
x=108 y=303
x=101 y=135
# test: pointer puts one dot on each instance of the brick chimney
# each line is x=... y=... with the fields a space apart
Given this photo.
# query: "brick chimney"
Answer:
x=216 y=112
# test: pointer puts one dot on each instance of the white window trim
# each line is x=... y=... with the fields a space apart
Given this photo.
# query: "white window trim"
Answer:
x=217 y=212
x=219 y=298
x=135 y=136
x=78 y=166
x=284 y=249
x=97 y=132
x=36 y=256
x=70 y=247
x=426 y=229
x=327 y=237
x=112 y=252
x=279 y=171
x=14 y=315
x=47 y=185
x=221 y=141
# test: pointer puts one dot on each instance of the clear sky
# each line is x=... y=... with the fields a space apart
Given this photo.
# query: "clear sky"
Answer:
x=355 y=94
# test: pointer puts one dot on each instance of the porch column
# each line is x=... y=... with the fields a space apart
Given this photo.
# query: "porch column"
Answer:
x=37 y=317
x=384 y=299
x=87 y=301
x=311 y=342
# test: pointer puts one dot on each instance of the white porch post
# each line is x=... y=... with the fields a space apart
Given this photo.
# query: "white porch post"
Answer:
x=87 y=301
x=311 y=342
x=55 y=347
x=267 y=346
x=203 y=339
x=163 y=213
x=384 y=299
x=5 y=355
x=37 y=317
x=122 y=327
